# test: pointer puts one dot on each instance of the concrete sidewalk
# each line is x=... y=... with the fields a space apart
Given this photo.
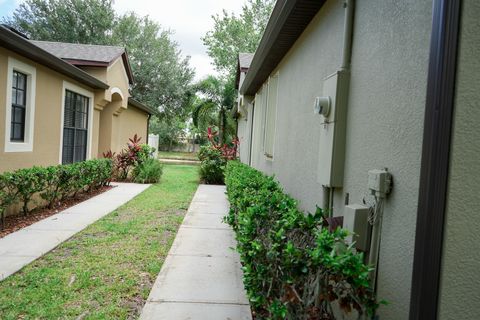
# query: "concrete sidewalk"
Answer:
x=201 y=278
x=28 y=244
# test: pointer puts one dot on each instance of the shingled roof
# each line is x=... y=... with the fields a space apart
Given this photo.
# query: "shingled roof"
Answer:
x=14 y=41
x=86 y=54
x=244 y=60
x=243 y=64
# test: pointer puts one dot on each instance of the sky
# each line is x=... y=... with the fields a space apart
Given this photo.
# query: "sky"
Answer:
x=189 y=19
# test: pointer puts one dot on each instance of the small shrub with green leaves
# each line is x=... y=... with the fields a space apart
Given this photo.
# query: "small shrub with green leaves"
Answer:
x=53 y=184
x=212 y=165
x=8 y=194
x=293 y=266
x=148 y=171
x=28 y=182
x=214 y=158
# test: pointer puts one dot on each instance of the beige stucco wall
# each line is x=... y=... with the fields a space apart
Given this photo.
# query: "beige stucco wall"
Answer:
x=132 y=121
x=460 y=282
x=47 y=122
x=117 y=79
x=117 y=119
x=384 y=122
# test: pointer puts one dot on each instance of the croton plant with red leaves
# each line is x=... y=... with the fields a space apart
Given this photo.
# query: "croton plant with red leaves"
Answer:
x=229 y=152
x=127 y=158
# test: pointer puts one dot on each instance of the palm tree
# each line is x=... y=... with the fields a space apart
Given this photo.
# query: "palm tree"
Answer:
x=216 y=99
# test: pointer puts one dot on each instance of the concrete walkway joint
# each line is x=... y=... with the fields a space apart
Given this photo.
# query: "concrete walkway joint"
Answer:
x=30 y=243
x=201 y=278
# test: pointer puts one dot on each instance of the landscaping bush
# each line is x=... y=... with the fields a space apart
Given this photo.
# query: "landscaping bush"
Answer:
x=293 y=266
x=214 y=157
x=53 y=183
x=212 y=165
x=129 y=158
x=148 y=171
x=28 y=182
x=8 y=193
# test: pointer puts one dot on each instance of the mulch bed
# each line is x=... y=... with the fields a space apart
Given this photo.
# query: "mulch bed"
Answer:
x=17 y=222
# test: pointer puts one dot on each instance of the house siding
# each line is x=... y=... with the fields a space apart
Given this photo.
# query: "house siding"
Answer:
x=132 y=121
x=47 y=122
x=384 y=122
x=461 y=255
x=115 y=122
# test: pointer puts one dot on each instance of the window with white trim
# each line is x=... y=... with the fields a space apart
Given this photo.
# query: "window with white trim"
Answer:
x=270 y=116
x=19 y=106
x=20 y=109
x=75 y=127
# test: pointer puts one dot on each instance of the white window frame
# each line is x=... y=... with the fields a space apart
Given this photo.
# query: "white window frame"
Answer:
x=268 y=156
x=90 y=95
x=31 y=72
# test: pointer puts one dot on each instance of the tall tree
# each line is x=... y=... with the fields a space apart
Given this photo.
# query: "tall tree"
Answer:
x=162 y=75
x=78 y=21
x=216 y=99
x=232 y=34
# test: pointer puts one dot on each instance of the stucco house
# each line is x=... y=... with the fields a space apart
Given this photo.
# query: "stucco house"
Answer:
x=336 y=92
x=64 y=102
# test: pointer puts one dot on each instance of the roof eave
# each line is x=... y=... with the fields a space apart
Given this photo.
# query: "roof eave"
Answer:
x=23 y=47
x=141 y=106
x=128 y=69
x=288 y=21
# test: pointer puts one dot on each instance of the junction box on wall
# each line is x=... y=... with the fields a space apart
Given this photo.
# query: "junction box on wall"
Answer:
x=355 y=220
x=332 y=107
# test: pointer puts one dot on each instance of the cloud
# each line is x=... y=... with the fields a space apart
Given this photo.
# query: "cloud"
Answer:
x=190 y=19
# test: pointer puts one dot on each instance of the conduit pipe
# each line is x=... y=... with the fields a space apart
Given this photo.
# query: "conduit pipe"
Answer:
x=349 y=6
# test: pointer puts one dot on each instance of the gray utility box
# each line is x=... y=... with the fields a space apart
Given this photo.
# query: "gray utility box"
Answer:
x=333 y=129
x=355 y=220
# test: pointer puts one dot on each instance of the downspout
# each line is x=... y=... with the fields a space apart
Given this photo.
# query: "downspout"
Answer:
x=349 y=6
x=148 y=127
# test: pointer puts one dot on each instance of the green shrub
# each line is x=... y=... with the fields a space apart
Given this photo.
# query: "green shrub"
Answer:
x=293 y=266
x=128 y=158
x=148 y=171
x=8 y=194
x=53 y=183
x=212 y=165
x=28 y=182
x=146 y=152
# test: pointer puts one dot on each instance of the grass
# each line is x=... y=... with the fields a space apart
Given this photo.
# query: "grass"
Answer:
x=178 y=155
x=107 y=270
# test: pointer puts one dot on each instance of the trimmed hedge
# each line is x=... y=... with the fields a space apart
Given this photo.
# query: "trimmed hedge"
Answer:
x=293 y=266
x=53 y=184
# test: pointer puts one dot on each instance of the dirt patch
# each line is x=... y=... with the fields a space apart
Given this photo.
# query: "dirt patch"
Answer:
x=17 y=222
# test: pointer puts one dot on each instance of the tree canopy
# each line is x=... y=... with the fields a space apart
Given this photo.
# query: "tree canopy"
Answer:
x=232 y=34
x=162 y=75
x=216 y=97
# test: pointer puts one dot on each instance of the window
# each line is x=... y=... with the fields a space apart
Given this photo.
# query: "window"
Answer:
x=270 y=116
x=75 y=127
x=19 y=105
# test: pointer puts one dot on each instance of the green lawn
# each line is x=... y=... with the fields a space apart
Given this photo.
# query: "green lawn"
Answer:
x=178 y=155
x=107 y=270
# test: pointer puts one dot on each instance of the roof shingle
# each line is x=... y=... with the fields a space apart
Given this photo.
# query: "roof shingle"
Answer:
x=76 y=51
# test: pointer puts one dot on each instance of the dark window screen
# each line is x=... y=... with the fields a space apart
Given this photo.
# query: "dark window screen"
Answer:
x=19 y=106
x=75 y=126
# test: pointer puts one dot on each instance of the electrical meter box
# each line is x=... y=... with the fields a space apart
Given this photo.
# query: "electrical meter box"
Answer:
x=332 y=131
x=355 y=220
